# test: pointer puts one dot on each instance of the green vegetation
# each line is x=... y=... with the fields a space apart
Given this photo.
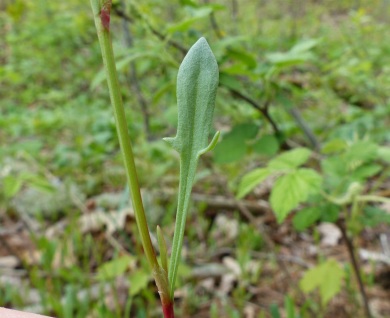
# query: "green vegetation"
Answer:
x=303 y=110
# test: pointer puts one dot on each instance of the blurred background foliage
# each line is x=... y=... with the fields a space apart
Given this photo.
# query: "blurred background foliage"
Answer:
x=292 y=73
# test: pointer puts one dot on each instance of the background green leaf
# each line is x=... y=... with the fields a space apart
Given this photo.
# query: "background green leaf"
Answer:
x=292 y=189
x=290 y=159
x=327 y=277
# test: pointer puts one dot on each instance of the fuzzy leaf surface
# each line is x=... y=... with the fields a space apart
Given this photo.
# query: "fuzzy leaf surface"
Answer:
x=197 y=84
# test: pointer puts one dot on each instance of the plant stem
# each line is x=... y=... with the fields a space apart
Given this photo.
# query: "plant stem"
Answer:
x=356 y=267
x=102 y=19
x=124 y=138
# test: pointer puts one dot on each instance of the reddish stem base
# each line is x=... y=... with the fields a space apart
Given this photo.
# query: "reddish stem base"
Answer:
x=168 y=311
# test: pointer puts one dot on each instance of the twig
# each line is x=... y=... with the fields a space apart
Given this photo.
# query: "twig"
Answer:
x=153 y=30
x=304 y=126
x=355 y=265
x=263 y=110
x=214 y=23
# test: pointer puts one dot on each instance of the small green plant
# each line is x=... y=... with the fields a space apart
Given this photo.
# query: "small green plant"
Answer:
x=196 y=93
x=335 y=195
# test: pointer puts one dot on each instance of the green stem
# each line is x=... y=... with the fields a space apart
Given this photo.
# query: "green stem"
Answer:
x=124 y=138
x=101 y=10
x=103 y=31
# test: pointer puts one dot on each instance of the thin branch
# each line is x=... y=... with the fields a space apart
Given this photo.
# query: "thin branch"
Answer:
x=356 y=267
x=294 y=113
x=263 y=110
x=214 y=23
x=161 y=36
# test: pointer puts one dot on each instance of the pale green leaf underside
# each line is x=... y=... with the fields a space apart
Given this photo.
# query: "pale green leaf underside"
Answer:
x=197 y=84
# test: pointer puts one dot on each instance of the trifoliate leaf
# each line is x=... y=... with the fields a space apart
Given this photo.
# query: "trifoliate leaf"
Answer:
x=292 y=189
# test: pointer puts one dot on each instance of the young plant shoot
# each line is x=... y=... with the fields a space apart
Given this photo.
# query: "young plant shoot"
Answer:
x=197 y=84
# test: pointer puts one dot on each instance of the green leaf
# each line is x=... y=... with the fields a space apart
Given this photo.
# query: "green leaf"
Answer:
x=114 y=268
x=233 y=147
x=290 y=159
x=289 y=58
x=327 y=277
x=305 y=45
x=138 y=281
x=266 y=145
x=225 y=42
x=37 y=182
x=243 y=56
x=214 y=6
x=362 y=150
x=335 y=145
x=289 y=306
x=330 y=212
x=185 y=24
x=244 y=132
x=251 y=180
x=306 y=217
x=365 y=171
x=162 y=90
x=229 y=81
x=384 y=153
x=286 y=102
x=189 y=3
x=274 y=311
x=197 y=84
x=292 y=189
x=334 y=166
x=42 y=184
x=11 y=185
x=373 y=216
x=229 y=150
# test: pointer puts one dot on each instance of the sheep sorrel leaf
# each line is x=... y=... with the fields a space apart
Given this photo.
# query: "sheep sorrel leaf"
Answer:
x=197 y=83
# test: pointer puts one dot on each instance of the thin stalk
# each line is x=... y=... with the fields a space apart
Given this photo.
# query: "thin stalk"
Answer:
x=101 y=11
x=356 y=267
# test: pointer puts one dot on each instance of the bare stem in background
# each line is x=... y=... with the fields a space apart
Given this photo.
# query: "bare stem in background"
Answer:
x=356 y=267
x=304 y=126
